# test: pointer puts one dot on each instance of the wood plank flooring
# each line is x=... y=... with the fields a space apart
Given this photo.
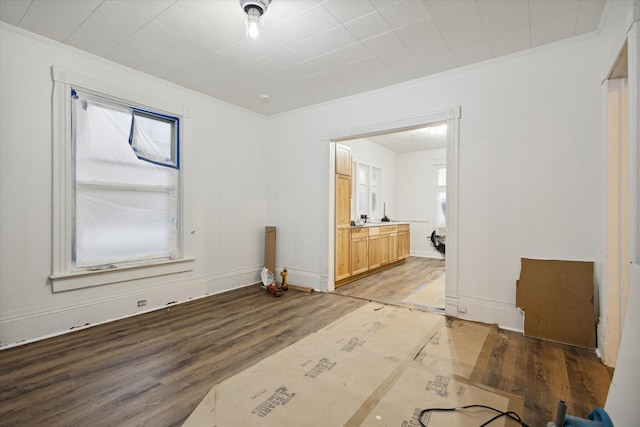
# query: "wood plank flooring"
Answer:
x=392 y=286
x=154 y=369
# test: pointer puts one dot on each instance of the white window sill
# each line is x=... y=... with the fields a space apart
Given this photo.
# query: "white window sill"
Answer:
x=86 y=279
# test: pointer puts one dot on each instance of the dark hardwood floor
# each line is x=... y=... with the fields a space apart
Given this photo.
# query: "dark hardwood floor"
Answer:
x=154 y=369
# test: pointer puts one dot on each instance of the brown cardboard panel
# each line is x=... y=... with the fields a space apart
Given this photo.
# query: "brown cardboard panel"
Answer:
x=342 y=373
x=557 y=300
x=270 y=248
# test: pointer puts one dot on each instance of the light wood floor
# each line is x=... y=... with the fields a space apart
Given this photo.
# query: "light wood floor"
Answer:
x=392 y=286
x=155 y=368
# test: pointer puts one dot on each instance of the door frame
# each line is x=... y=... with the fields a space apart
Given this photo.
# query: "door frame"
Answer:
x=449 y=115
x=612 y=293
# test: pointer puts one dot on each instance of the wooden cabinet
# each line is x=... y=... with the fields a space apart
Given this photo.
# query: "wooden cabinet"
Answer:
x=384 y=248
x=404 y=241
x=343 y=201
x=359 y=250
x=343 y=227
x=388 y=244
x=374 y=247
x=343 y=160
x=393 y=247
x=369 y=248
x=343 y=255
x=343 y=213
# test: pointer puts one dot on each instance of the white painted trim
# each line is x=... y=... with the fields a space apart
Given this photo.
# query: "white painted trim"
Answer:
x=424 y=254
x=633 y=64
x=453 y=185
x=307 y=279
x=393 y=125
x=87 y=279
x=330 y=260
x=450 y=302
x=502 y=313
x=64 y=276
x=127 y=95
x=600 y=276
x=61 y=175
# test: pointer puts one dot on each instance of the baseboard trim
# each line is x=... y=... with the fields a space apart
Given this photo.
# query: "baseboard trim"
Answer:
x=26 y=326
x=506 y=315
x=307 y=279
x=424 y=254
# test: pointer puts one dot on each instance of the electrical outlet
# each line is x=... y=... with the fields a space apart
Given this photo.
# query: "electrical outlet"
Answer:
x=142 y=303
x=462 y=309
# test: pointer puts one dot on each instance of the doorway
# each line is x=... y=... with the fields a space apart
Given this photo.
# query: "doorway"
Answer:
x=449 y=120
x=401 y=176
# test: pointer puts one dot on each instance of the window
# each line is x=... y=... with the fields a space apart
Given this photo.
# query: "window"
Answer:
x=374 y=194
x=126 y=181
x=119 y=205
x=441 y=196
x=362 y=190
x=367 y=184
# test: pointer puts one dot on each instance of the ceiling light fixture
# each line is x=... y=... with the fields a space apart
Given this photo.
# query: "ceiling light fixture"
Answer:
x=254 y=10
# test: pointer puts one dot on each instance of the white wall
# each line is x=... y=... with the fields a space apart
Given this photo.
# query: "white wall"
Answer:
x=529 y=147
x=363 y=150
x=228 y=187
x=416 y=197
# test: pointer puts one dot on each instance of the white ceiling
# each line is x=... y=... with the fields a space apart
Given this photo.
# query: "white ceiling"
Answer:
x=425 y=138
x=310 y=50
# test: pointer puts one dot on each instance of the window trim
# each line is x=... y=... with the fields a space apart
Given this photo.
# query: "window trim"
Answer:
x=64 y=277
x=437 y=189
x=371 y=167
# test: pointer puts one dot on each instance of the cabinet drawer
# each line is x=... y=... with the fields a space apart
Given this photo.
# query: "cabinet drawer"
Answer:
x=389 y=229
x=374 y=231
x=359 y=232
x=404 y=228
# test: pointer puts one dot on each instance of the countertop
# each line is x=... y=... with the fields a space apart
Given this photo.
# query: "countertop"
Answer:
x=380 y=224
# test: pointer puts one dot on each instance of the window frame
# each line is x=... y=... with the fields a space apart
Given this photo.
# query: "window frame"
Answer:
x=356 y=199
x=438 y=189
x=65 y=276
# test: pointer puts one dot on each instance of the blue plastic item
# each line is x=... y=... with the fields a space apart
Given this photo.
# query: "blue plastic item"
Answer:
x=597 y=418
